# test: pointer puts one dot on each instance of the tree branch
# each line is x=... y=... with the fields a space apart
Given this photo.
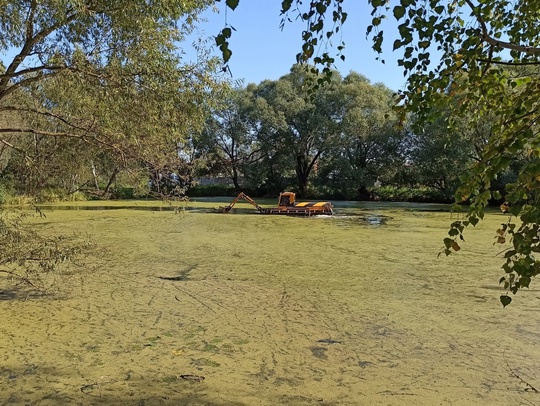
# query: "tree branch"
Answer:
x=8 y=90
x=39 y=132
x=28 y=46
x=46 y=114
x=507 y=63
x=498 y=43
x=10 y=145
x=32 y=70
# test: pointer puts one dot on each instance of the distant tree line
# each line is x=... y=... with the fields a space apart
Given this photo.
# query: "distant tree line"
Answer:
x=341 y=141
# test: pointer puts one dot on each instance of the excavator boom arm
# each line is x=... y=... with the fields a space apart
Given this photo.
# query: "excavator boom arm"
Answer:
x=248 y=199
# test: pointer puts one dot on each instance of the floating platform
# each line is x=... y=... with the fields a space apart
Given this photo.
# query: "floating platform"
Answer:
x=302 y=209
x=286 y=205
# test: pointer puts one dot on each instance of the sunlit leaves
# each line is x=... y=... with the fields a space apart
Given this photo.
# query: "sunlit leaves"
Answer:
x=476 y=71
x=323 y=19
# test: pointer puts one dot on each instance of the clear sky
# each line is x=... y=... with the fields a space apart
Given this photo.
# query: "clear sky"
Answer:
x=261 y=50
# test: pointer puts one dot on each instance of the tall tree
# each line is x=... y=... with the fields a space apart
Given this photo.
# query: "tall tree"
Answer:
x=230 y=134
x=98 y=73
x=440 y=150
x=306 y=128
x=369 y=146
x=80 y=66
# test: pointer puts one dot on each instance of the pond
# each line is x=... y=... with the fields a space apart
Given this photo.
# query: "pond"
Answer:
x=187 y=306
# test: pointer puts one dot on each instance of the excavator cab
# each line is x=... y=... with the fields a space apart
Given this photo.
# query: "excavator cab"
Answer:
x=286 y=199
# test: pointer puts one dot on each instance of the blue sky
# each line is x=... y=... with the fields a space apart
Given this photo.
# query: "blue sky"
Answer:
x=261 y=50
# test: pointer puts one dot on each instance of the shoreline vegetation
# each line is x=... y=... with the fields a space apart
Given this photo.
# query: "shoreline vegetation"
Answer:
x=380 y=194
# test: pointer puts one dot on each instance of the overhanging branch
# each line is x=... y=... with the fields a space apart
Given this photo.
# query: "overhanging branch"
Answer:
x=496 y=42
x=39 y=132
x=48 y=114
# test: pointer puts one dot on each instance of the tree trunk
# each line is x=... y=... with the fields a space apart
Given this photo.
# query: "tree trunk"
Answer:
x=111 y=180
x=303 y=168
x=234 y=178
x=94 y=173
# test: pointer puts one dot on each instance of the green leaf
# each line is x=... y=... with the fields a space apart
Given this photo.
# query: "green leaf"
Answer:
x=232 y=4
x=220 y=39
x=399 y=12
x=285 y=6
x=225 y=52
x=505 y=300
x=524 y=281
x=226 y=32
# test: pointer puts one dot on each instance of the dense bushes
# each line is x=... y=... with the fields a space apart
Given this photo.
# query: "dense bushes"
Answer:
x=386 y=193
x=407 y=194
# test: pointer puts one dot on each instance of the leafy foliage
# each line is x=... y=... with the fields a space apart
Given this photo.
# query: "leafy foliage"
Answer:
x=336 y=141
x=94 y=88
x=81 y=67
x=488 y=59
x=33 y=260
x=323 y=19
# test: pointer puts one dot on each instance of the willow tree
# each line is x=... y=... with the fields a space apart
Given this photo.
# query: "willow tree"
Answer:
x=459 y=49
x=306 y=128
x=103 y=74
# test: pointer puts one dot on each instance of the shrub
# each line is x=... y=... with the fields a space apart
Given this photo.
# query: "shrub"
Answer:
x=51 y=195
x=77 y=197
x=407 y=194
x=4 y=194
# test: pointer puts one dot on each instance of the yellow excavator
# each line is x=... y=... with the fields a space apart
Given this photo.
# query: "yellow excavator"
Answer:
x=287 y=204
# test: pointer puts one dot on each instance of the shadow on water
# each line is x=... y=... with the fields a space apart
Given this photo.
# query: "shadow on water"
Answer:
x=183 y=275
x=341 y=207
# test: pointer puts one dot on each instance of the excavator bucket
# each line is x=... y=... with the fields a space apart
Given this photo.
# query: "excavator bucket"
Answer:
x=242 y=195
x=223 y=209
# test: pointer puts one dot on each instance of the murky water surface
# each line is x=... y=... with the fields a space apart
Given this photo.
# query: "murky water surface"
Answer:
x=184 y=306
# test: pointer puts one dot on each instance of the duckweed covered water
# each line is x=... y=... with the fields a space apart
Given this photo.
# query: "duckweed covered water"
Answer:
x=272 y=310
